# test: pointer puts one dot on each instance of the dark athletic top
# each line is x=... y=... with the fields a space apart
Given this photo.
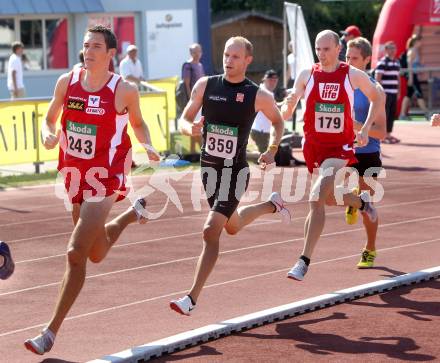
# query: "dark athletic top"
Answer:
x=229 y=110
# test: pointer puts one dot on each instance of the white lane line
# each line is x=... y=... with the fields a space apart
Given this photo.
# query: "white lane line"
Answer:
x=23 y=222
x=256 y=223
x=204 y=215
x=69 y=233
x=60 y=203
x=44 y=236
x=176 y=293
x=51 y=185
x=221 y=253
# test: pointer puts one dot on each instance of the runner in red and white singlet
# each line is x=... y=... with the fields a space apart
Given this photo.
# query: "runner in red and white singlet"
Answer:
x=93 y=139
x=94 y=157
x=328 y=123
x=328 y=88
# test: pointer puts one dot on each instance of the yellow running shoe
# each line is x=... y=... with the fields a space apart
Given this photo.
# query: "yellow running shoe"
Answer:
x=351 y=213
x=367 y=259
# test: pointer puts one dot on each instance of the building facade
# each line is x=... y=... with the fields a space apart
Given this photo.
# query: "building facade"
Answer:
x=52 y=32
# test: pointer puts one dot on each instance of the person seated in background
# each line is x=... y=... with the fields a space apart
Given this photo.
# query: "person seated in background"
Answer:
x=260 y=132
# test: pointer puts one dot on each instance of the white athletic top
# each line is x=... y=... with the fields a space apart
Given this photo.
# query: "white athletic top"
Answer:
x=15 y=64
x=292 y=63
x=261 y=122
x=128 y=68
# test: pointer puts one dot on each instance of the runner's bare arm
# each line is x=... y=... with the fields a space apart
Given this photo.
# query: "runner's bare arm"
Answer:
x=297 y=92
x=265 y=103
x=378 y=130
x=130 y=96
x=187 y=126
x=435 y=120
x=48 y=128
x=360 y=79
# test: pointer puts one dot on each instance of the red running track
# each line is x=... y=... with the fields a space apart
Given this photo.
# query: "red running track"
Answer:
x=125 y=299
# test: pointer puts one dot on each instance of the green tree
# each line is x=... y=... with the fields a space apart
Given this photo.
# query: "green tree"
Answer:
x=318 y=15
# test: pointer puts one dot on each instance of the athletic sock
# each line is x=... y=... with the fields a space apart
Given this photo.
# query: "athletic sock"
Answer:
x=362 y=205
x=192 y=301
x=305 y=259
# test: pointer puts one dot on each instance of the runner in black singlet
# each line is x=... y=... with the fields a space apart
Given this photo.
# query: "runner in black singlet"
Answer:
x=229 y=104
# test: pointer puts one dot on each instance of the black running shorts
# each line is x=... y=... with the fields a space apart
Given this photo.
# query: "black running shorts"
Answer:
x=366 y=161
x=224 y=185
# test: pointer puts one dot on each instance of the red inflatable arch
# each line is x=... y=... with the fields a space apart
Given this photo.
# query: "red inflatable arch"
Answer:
x=398 y=19
x=397 y=22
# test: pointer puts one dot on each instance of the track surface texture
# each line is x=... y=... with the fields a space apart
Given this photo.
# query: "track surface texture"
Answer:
x=124 y=302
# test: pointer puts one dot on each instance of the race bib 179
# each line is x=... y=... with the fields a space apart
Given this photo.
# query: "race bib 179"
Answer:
x=329 y=118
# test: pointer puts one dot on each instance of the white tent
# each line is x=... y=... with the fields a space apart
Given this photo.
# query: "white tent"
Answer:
x=294 y=20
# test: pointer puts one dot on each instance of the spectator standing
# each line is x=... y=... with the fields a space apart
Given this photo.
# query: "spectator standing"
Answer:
x=387 y=74
x=291 y=66
x=413 y=86
x=351 y=32
x=192 y=69
x=130 y=67
x=260 y=132
x=15 y=71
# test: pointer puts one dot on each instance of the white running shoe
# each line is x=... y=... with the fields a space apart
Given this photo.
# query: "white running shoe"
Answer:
x=139 y=209
x=42 y=343
x=298 y=271
x=183 y=305
x=277 y=201
x=369 y=209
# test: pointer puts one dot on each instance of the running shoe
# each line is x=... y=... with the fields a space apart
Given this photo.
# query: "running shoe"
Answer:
x=351 y=213
x=183 y=305
x=139 y=209
x=277 y=201
x=369 y=209
x=298 y=271
x=367 y=259
x=42 y=343
x=8 y=266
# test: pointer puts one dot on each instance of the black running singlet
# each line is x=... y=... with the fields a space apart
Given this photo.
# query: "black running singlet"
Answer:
x=229 y=110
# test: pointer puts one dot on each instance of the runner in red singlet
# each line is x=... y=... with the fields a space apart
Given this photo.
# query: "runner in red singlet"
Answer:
x=328 y=89
x=94 y=159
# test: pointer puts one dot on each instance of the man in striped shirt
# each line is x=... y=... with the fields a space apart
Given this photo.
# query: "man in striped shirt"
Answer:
x=387 y=74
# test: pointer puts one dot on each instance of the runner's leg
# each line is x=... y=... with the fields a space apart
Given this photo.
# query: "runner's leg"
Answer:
x=370 y=227
x=90 y=223
x=321 y=190
x=211 y=239
x=110 y=235
x=247 y=214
